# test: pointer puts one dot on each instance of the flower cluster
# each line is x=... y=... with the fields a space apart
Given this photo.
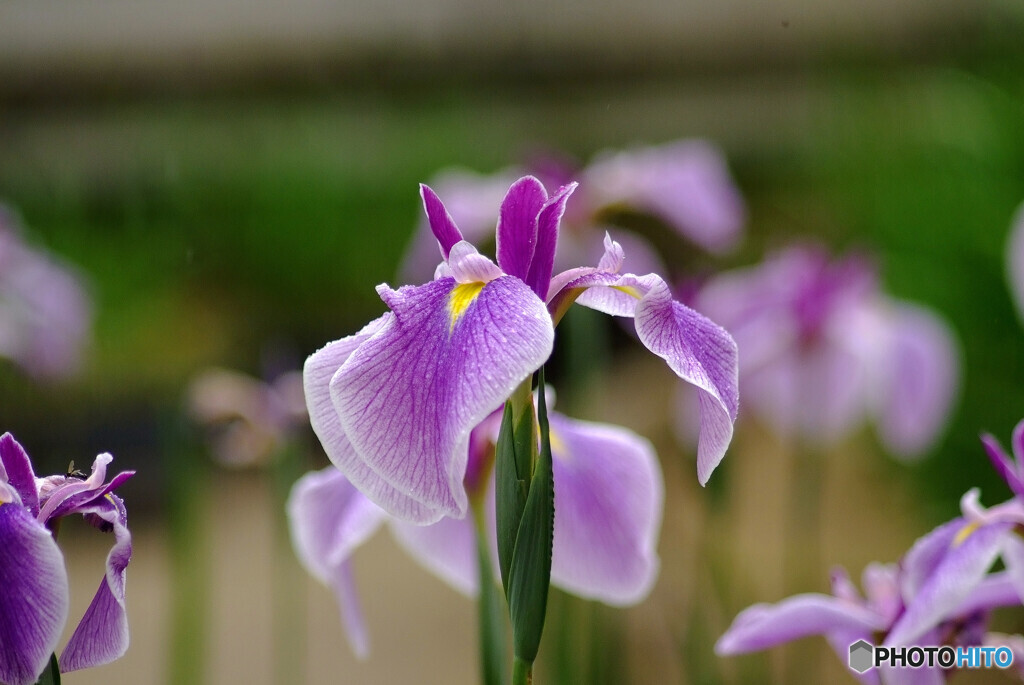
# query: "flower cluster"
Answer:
x=823 y=347
x=45 y=314
x=34 y=600
x=941 y=592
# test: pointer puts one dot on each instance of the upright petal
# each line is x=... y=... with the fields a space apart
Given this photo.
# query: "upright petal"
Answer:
x=608 y=507
x=444 y=229
x=449 y=355
x=317 y=373
x=102 y=634
x=701 y=353
x=328 y=519
x=919 y=380
x=16 y=469
x=517 y=226
x=539 y=277
x=767 y=625
x=446 y=548
x=34 y=599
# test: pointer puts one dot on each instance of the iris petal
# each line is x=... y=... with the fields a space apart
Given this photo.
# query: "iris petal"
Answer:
x=409 y=395
x=34 y=599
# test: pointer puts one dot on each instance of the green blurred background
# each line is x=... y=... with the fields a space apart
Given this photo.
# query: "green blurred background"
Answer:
x=236 y=204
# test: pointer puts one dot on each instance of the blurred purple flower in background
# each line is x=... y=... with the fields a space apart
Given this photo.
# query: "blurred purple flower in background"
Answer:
x=34 y=598
x=684 y=185
x=252 y=419
x=941 y=593
x=394 y=404
x=45 y=313
x=822 y=348
x=1015 y=260
x=608 y=508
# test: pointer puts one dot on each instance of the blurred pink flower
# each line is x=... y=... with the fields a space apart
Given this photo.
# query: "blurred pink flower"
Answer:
x=822 y=349
x=253 y=418
x=45 y=313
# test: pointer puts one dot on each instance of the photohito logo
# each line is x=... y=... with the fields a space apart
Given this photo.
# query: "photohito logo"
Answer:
x=864 y=656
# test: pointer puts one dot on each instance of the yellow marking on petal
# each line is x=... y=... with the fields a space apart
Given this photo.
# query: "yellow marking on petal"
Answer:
x=111 y=498
x=629 y=290
x=964 y=533
x=461 y=297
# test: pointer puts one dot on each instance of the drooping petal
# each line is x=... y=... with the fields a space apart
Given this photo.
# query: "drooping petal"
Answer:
x=766 y=625
x=702 y=354
x=449 y=355
x=317 y=373
x=102 y=634
x=444 y=229
x=1013 y=558
x=608 y=507
x=17 y=471
x=328 y=518
x=446 y=548
x=952 y=581
x=919 y=380
x=517 y=226
x=34 y=596
x=539 y=277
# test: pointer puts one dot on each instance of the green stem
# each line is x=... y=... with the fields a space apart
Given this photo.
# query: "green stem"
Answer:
x=289 y=613
x=490 y=610
x=522 y=672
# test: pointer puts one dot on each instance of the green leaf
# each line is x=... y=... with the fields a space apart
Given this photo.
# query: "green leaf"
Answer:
x=51 y=674
x=530 y=572
x=511 y=483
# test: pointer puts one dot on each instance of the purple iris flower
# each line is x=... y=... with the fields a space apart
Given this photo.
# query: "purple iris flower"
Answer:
x=941 y=592
x=684 y=185
x=34 y=601
x=45 y=314
x=823 y=348
x=1015 y=260
x=608 y=506
x=394 y=404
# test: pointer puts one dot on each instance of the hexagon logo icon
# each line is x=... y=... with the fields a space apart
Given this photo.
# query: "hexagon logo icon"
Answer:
x=861 y=656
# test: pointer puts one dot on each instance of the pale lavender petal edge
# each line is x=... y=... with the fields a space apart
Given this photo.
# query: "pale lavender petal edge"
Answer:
x=320 y=368
x=766 y=625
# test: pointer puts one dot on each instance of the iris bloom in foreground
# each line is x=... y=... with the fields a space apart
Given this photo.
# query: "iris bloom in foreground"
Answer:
x=394 y=404
x=608 y=492
x=822 y=348
x=34 y=600
x=684 y=185
x=942 y=591
x=45 y=313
